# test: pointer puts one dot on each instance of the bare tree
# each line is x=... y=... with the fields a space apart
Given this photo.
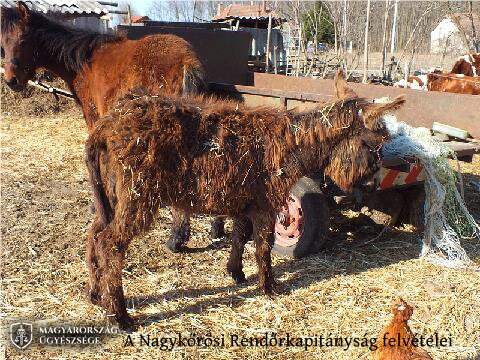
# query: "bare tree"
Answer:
x=365 y=49
x=129 y=7
x=185 y=11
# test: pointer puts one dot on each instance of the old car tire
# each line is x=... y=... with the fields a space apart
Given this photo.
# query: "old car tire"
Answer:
x=315 y=222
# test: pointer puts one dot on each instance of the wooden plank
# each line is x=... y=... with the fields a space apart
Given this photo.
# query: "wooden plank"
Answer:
x=254 y=96
x=449 y=130
x=464 y=148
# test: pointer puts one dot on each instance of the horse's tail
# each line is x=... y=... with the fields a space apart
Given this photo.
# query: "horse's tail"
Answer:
x=193 y=79
x=93 y=149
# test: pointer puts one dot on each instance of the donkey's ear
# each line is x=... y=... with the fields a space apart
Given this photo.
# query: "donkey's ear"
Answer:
x=342 y=90
x=374 y=111
x=24 y=11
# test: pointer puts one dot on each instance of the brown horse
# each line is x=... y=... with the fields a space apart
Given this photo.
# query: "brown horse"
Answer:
x=99 y=69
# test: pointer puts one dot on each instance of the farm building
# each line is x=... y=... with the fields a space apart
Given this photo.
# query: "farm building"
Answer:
x=254 y=19
x=448 y=35
x=139 y=19
x=91 y=15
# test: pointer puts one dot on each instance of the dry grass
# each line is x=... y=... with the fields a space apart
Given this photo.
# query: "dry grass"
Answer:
x=345 y=291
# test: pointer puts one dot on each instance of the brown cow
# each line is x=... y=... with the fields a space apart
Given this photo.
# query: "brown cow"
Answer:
x=454 y=83
x=468 y=65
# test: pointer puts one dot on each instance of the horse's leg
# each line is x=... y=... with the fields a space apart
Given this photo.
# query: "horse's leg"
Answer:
x=111 y=248
x=180 y=230
x=92 y=288
x=263 y=236
x=242 y=232
x=218 y=227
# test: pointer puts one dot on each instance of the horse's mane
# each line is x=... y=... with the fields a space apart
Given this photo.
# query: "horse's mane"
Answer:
x=71 y=46
x=10 y=18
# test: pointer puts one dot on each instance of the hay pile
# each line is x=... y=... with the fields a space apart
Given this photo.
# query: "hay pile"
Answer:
x=447 y=219
x=345 y=291
x=33 y=101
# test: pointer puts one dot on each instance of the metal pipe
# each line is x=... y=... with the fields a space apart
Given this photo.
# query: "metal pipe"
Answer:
x=269 y=39
x=108 y=3
x=47 y=88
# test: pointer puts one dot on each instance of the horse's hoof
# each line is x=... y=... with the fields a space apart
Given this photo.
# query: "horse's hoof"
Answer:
x=218 y=229
x=238 y=276
x=179 y=237
x=271 y=289
x=126 y=323
x=174 y=244
x=92 y=295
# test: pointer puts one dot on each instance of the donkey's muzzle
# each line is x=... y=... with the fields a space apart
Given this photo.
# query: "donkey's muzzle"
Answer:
x=371 y=183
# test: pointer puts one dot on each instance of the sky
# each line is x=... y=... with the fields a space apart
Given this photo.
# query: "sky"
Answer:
x=142 y=6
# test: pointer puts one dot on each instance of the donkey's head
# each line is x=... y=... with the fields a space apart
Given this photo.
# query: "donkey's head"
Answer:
x=356 y=158
x=17 y=46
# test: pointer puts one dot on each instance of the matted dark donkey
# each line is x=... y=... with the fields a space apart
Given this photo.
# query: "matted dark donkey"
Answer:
x=235 y=161
x=99 y=69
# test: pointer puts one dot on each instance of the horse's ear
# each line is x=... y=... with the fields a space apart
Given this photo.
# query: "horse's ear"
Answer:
x=373 y=112
x=342 y=90
x=24 y=11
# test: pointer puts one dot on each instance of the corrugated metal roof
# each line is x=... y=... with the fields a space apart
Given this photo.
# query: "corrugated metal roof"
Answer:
x=63 y=6
x=246 y=12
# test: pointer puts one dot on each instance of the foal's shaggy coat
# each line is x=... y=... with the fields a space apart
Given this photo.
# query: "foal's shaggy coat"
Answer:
x=213 y=157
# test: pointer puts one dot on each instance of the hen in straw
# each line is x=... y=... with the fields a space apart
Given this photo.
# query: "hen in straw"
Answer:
x=395 y=340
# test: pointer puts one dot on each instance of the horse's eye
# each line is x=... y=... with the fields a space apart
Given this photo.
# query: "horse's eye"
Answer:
x=3 y=53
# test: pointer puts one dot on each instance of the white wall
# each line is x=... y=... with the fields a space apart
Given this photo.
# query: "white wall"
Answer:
x=259 y=38
x=446 y=37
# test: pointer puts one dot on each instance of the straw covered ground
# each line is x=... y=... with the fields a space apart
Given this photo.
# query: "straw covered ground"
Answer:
x=34 y=102
x=345 y=291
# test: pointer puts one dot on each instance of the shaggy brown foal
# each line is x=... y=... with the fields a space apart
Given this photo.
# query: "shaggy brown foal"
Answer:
x=206 y=156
